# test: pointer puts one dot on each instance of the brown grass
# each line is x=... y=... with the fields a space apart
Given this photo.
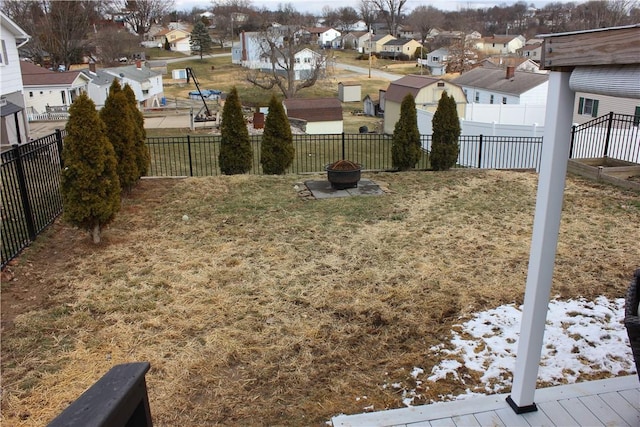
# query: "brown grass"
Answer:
x=265 y=308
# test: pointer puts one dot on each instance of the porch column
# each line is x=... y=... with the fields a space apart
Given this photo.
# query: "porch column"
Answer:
x=546 y=226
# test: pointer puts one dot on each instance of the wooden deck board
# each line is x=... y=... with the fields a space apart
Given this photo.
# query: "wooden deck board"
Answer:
x=612 y=402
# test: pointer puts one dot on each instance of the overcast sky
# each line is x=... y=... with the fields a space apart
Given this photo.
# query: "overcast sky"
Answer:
x=314 y=6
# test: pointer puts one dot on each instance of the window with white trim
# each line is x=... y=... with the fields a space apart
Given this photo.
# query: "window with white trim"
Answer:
x=588 y=107
x=491 y=99
x=4 y=59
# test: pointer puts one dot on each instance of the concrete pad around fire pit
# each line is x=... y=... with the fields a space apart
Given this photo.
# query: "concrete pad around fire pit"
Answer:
x=323 y=189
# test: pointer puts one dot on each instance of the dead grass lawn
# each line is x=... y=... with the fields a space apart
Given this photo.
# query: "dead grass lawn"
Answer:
x=268 y=309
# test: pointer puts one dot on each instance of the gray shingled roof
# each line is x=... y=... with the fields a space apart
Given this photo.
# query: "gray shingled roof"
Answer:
x=133 y=73
x=495 y=80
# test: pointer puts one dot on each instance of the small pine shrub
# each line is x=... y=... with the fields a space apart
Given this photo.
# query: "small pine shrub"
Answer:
x=235 y=155
x=117 y=117
x=446 y=132
x=89 y=181
x=406 y=148
x=276 y=151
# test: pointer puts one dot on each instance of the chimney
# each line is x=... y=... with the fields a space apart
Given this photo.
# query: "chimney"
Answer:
x=92 y=67
x=511 y=72
x=244 y=47
x=138 y=64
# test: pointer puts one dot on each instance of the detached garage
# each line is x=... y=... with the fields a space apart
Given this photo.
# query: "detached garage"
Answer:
x=319 y=115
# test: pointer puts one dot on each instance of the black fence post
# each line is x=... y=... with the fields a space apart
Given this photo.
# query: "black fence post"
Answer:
x=189 y=152
x=59 y=145
x=24 y=194
x=480 y=153
x=609 y=127
x=343 y=149
x=573 y=138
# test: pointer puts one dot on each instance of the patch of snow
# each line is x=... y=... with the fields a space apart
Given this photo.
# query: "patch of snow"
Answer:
x=581 y=337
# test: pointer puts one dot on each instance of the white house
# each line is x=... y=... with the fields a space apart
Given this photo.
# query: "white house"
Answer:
x=484 y=85
x=252 y=47
x=50 y=91
x=145 y=83
x=324 y=36
x=13 y=127
x=437 y=61
x=305 y=62
x=500 y=44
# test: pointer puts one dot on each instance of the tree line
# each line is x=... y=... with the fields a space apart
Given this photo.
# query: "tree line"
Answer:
x=66 y=31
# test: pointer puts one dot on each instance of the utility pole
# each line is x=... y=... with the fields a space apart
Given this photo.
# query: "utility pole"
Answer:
x=370 y=40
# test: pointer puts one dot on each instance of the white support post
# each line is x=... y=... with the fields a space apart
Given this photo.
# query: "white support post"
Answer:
x=546 y=226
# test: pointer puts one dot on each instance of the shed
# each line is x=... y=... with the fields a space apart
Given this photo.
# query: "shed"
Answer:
x=321 y=115
x=349 y=91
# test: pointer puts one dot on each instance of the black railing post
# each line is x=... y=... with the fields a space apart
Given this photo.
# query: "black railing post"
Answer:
x=343 y=149
x=189 y=152
x=24 y=194
x=573 y=138
x=609 y=127
x=59 y=145
x=480 y=153
x=117 y=399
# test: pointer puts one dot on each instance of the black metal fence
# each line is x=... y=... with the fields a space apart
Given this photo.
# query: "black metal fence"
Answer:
x=31 y=173
x=616 y=136
x=198 y=155
x=30 y=191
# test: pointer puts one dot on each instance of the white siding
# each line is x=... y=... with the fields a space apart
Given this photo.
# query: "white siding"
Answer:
x=606 y=104
x=535 y=96
x=315 y=128
x=11 y=77
x=37 y=99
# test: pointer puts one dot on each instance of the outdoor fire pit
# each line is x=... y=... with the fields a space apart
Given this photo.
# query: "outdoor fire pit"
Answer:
x=343 y=174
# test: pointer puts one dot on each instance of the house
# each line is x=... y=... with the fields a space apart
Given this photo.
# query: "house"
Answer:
x=400 y=49
x=437 y=61
x=305 y=63
x=408 y=32
x=324 y=36
x=426 y=92
x=500 y=44
x=50 y=91
x=497 y=86
x=520 y=63
x=252 y=47
x=354 y=40
x=623 y=97
x=14 y=128
x=349 y=91
x=531 y=51
x=145 y=83
x=178 y=39
x=319 y=115
x=375 y=43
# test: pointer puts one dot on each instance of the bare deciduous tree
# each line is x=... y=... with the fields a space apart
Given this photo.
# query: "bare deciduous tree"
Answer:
x=424 y=18
x=280 y=47
x=141 y=14
x=391 y=10
x=112 y=43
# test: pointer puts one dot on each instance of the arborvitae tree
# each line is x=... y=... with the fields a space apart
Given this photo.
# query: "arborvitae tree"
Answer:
x=276 y=152
x=406 y=148
x=89 y=180
x=142 y=152
x=446 y=131
x=120 y=125
x=200 y=41
x=236 y=155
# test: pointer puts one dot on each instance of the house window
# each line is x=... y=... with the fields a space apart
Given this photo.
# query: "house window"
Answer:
x=491 y=99
x=440 y=84
x=64 y=97
x=297 y=60
x=4 y=59
x=504 y=99
x=435 y=58
x=477 y=98
x=307 y=60
x=588 y=107
x=30 y=94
